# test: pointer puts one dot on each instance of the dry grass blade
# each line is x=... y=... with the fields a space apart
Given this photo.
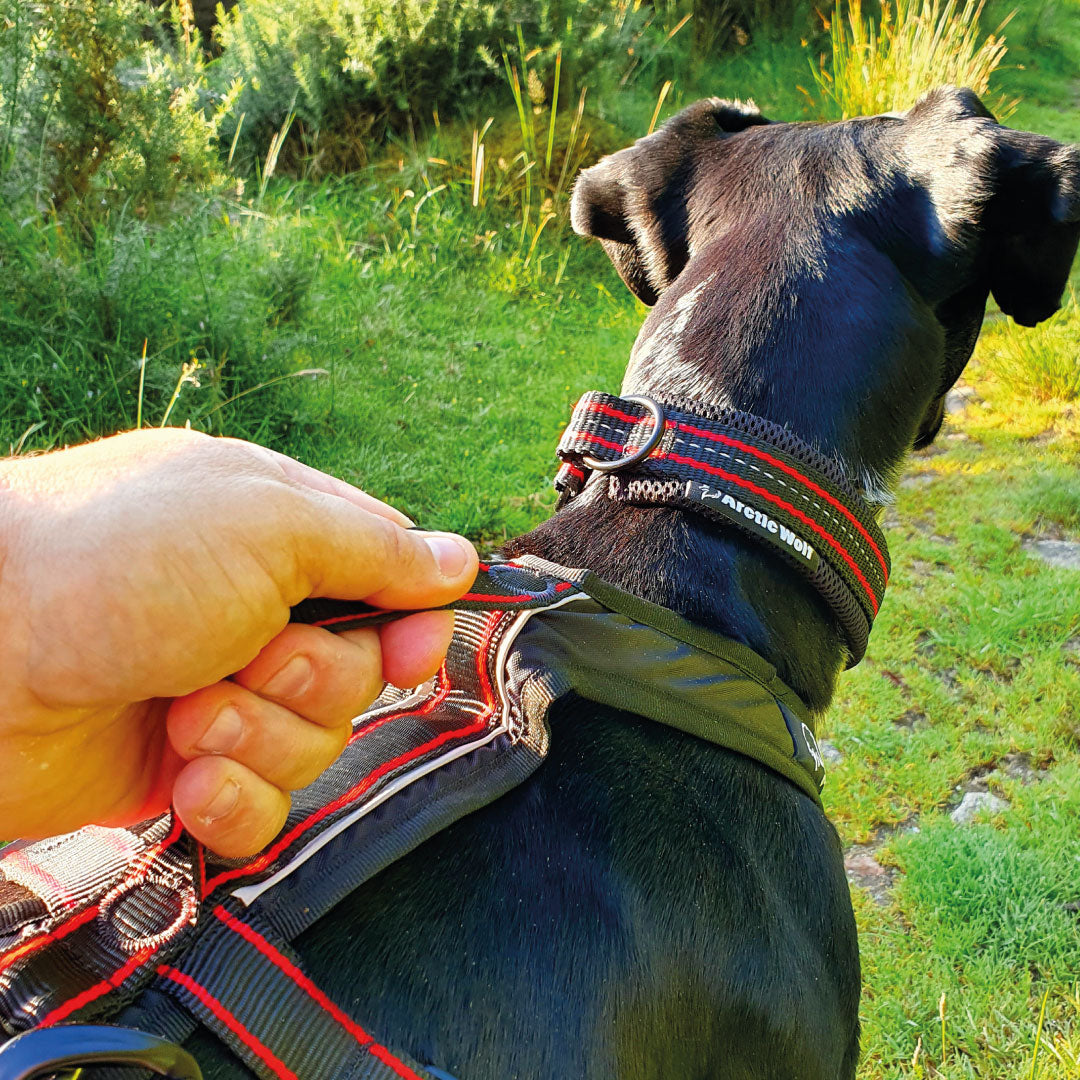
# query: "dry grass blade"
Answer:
x=664 y=90
x=885 y=65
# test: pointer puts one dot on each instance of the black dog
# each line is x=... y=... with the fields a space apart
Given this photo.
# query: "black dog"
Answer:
x=649 y=906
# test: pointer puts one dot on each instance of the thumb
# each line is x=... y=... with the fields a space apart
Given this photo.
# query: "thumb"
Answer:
x=347 y=552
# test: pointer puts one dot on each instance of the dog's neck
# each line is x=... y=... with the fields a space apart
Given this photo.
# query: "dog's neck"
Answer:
x=852 y=386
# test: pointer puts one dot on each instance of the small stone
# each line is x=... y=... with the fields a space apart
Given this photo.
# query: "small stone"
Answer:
x=1043 y=438
x=922 y=569
x=975 y=803
x=1064 y=554
x=1019 y=767
x=933 y=450
x=950 y=677
x=917 y=480
x=959 y=398
x=829 y=752
x=910 y=719
x=864 y=871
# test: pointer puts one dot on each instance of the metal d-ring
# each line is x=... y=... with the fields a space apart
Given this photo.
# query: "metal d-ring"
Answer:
x=641 y=452
x=44 y=1051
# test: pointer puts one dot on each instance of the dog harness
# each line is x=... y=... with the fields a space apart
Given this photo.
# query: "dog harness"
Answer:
x=116 y=944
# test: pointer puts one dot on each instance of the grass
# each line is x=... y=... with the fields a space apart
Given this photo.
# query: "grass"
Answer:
x=884 y=65
x=1044 y=360
x=986 y=915
x=454 y=331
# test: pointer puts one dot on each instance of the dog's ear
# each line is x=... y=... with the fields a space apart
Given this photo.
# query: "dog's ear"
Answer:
x=634 y=201
x=1032 y=224
x=1012 y=196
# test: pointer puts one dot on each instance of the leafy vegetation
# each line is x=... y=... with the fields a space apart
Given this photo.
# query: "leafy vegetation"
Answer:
x=352 y=69
x=422 y=325
x=102 y=105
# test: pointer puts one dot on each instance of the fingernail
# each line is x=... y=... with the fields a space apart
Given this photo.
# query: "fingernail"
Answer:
x=290 y=680
x=450 y=554
x=222 y=803
x=223 y=734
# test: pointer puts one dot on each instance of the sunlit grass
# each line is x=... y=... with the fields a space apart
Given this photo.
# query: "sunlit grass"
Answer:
x=1044 y=361
x=884 y=64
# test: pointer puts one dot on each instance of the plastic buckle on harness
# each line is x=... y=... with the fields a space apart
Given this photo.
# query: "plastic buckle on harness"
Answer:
x=45 y=1051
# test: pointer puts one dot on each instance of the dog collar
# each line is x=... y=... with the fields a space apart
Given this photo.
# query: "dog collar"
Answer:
x=740 y=470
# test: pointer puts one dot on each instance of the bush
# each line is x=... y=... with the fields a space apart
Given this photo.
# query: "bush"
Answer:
x=103 y=102
x=351 y=70
x=915 y=46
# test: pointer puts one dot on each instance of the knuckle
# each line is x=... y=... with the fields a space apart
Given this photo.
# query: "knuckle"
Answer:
x=398 y=547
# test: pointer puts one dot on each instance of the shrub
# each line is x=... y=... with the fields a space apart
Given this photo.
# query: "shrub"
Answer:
x=102 y=103
x=913 y=47
x=352 y=70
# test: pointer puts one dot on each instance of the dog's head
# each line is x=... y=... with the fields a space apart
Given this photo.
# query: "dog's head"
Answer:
x=832 y=277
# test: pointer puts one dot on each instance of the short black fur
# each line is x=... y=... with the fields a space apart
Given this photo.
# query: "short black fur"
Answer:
x=649 y=906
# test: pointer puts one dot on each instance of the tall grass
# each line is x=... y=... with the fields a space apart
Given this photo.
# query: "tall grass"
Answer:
x=884 y=65
x=504 y=184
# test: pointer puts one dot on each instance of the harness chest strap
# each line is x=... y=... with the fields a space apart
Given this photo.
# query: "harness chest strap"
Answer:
x=742 y=471
x=139 y=926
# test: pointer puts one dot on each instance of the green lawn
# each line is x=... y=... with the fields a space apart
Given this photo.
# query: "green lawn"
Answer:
x=971 y=682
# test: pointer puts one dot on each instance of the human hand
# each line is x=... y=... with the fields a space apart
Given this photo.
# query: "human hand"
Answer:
x=145 y=588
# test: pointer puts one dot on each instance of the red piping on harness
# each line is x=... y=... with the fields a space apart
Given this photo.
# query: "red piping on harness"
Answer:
x=816 y=489
x=61 y=931
x=689 y=429
x=607 y=410
x=288 y=968
x=428 y=706
x=274 y=1063
x=392 y=1062
x=358 y=789
x=483 y=598
x=92 y=993
x=750 y=486
x=606 y=443
x=777 y=501
x=83 y=917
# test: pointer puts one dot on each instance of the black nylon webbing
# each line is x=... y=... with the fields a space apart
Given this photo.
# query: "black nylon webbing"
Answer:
x=247 y=985
x=141 y=927
x=498 y=587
